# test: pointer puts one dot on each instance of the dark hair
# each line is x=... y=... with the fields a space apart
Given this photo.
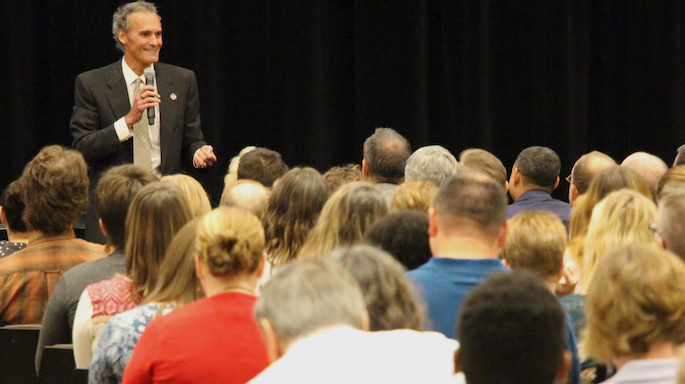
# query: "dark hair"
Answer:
x=13 y=207
x=386 y=153
x=539 y=165
x=262 y=165
x=513 y=322
x=55 y=189
x=114 y=193
x=475 y=198
x=481 y=160
x=404 y=235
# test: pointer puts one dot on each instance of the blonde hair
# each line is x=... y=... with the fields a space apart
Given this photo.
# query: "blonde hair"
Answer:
x=416 y=195
x=621 y=218
x=230 y=241
x=636 y=300
x=232 y=172
x=536 y=241
x=192 y=189
x=344 y=218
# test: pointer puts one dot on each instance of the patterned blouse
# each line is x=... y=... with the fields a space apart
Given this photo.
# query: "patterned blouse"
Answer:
x=7 y=247
x=118 y=339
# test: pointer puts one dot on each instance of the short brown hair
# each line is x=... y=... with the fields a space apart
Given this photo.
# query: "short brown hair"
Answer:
x=113 y=195
x=536 y=241
x=341 y=175
x=55 y=192
x=636 y=300
x=13 y=207
x=415 y=195
x=481 y=160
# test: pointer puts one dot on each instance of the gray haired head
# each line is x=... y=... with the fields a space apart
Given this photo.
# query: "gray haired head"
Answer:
x=432 y=163
x=120 y=19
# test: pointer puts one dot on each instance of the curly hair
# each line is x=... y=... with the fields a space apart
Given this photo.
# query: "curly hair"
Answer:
x=13 y=207
x=416 y=195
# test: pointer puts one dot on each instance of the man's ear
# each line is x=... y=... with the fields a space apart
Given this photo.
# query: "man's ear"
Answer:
x=121 y=35
x=457 y=363
x=564 y=367
x=572 y=193
x=262 y=264
x=556 y=183
x=103 y=228
x=506 y=186
x=3 y=218
x=366 y=174
x=502 y=236
x=432 y=222
x=274 y=347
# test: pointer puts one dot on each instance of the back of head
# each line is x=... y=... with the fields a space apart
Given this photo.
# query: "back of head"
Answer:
x=113 y=195
x=55 y=190
x=386 y=153
x=246 y=194
x=416 y=195
x=156 y=213
x=230 y=241
x=670 y=223
x=472 y=200
x=232 y=172
x=194 y=192
x=262 y=165
x=292 y=210
x=432 y=163
x=341 y=175
x=481 y=160
x=540 y=166
x=680 y=157
x=587 y=167
x=309 y=295
x=13 y=207
x=404 y=235
x=673 y=179
x=536 y=241
x=391 y=301
x=636 y=300
x=511 y=330
x=647 y=166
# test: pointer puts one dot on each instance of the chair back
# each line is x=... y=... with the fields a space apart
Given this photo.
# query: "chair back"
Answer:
x=18 y=352
x=57 y=364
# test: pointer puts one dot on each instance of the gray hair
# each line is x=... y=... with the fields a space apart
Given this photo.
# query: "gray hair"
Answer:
x=120 y=17
x=432 y=163
x=308 y=295
x=670 y=222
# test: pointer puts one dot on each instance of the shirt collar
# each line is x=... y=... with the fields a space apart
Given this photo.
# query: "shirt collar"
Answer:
x=129 y=75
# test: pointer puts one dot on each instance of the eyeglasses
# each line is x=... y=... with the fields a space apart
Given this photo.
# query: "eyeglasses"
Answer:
x=568 y=179
x=652 y=229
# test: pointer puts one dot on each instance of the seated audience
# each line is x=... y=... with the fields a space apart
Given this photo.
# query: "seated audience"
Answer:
x=194 y=192
x=313 y=319
x=390 y=296
x=647 y=166
x=177 y=285
x=232 y=172
x=156 y=213
x=584 y=170
x=262 y=165
x=635 y=308
x=416 y=195
x=670 y=222
x=385 y=156
x=54 y=188
x=511 y=330
x=467 y=229
x=433 y=163
x=113 y=195
x=347 y=214
x=246 y=194
x=341 y=175
x=480 y=160
x=11 y=215
x=215 y=339
x=404 y=235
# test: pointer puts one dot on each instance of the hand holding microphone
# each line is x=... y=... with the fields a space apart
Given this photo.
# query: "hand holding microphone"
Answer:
x=145 y=100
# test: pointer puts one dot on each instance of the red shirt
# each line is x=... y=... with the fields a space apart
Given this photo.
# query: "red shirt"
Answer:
x=213 y=340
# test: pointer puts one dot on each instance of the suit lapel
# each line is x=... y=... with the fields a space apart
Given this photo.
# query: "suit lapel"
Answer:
x=167 y=107
x=118 y=92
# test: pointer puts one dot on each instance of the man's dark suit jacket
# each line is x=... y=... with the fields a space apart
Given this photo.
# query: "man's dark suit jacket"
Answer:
x=101 y=98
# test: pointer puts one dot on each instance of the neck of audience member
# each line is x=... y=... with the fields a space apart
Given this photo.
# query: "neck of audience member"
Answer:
x=525 y=188
x=465 y=243
x=67 y=233
x=20 y=237
x=659 y=350
x=243 y=283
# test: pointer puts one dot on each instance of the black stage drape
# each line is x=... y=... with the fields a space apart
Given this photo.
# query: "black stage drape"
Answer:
x=312 y=79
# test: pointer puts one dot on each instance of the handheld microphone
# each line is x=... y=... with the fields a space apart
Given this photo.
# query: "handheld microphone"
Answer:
x=149 y=74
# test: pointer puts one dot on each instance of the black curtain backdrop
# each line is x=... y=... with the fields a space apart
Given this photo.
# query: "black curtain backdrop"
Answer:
x=312 y=79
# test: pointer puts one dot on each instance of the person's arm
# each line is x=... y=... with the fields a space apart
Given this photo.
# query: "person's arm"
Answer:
x=55 y=325
x=195 y=147
x=82 y=332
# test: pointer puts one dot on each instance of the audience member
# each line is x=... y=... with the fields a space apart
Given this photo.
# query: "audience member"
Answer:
x=635 y=308
x=247 y=194
x=312 y=316
x=415 y=195
x=341 y=175
x=385 y=157
x=215 y=339
x=156 y=213
x=232 y=172
x=11 y=215
x=467 y=230
x=193 y=191
x=511 y=330
x=113 y=195
x=54 y=188
x=480 y=160
x=404 y=235
x=262 y=165
x=584 y=170
x=432 y=163
x=647 y=166
x=679 y=157
x=347 y=214
x=388 y=294
x=670 y=222
x=177 y=285
x=534 y=176
x=673 y=179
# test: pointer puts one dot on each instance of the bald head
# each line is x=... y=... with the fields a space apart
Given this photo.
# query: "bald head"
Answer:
x=585 y=169
x=648 y=166
x=246 y=194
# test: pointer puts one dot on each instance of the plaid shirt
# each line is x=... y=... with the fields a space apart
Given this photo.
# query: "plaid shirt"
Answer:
x=28 y=277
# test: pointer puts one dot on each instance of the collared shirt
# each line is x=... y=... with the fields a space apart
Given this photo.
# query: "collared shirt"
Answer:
x=121 y=128
x=647 y=371
x=540 y=201
x=28 y=277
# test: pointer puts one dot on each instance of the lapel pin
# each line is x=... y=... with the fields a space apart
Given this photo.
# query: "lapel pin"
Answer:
x=173 y=96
